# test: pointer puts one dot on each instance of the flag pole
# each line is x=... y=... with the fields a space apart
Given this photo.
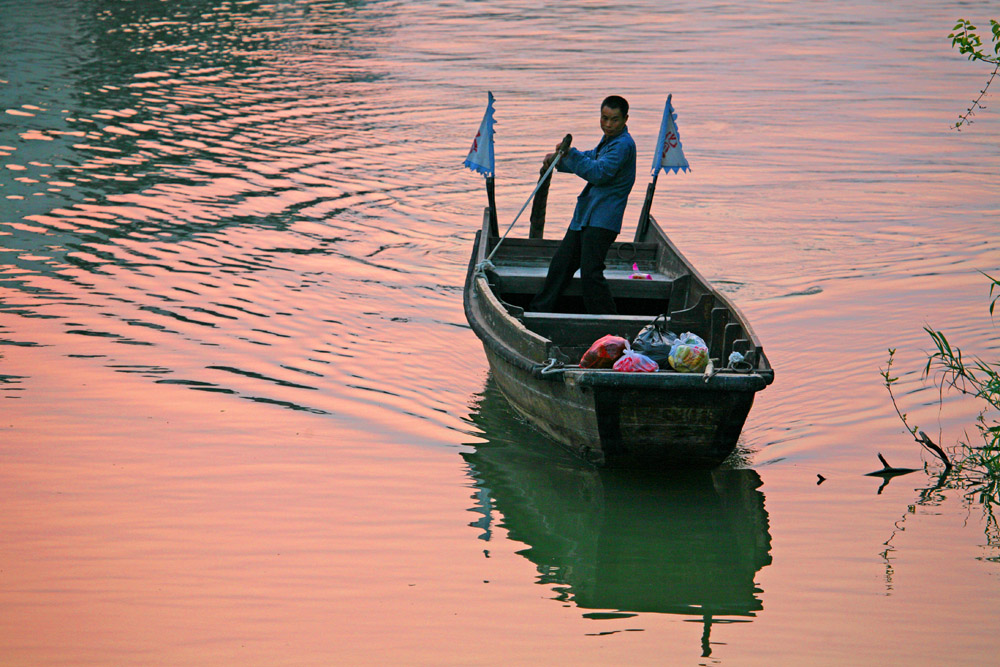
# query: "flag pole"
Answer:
x=481 y=159
x=669 y=155
x=491 y=197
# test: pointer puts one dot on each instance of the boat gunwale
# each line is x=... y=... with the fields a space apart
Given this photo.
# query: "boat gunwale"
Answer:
x=477 y=285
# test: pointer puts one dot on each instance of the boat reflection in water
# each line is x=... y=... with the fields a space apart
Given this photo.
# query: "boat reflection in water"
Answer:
x=621 y=542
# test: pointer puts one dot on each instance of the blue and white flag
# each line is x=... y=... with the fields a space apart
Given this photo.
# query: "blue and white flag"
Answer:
x=481 y=154
x=669 y=153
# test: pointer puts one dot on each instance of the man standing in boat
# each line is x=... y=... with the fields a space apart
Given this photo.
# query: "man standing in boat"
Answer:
x=609 y=170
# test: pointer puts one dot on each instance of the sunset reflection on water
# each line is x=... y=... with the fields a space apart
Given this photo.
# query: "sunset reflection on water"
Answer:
x=242 y=418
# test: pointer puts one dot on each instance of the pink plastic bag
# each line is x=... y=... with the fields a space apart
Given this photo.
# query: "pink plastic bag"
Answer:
x=634 y=362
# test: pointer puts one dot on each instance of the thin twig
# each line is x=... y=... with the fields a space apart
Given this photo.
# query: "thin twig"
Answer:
x=922 y=438
x=968 y=43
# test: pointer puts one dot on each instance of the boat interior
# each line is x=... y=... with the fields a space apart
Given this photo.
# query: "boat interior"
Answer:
x=672 y=290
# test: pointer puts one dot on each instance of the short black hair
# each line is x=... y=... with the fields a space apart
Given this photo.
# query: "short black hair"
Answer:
x=616 y=102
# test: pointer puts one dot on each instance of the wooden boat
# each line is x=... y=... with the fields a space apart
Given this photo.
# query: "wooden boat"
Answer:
x=615 y=419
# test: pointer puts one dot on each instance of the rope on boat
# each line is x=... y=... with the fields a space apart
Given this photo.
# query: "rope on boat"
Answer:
x=552 y=366
x=735 y=365
x=486 y=263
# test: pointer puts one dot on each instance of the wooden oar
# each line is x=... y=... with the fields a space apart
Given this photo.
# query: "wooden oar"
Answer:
x=549 y=168
x=542 y=193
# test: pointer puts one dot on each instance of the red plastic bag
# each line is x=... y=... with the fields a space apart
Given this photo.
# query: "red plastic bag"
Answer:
x=604 y=353
x=634 y=362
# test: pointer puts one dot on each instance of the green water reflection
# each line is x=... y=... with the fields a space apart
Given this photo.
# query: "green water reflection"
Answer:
x=198 y=115
x=619 y=543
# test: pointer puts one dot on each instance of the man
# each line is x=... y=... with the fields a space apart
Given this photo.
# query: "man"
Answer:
x=609 y=171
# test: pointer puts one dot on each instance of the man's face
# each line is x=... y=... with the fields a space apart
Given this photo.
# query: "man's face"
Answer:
x=612 y=122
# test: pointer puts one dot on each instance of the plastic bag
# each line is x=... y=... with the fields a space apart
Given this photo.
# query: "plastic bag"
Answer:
x=655 y=341
x=689 y=354
x=634 y=362
x=654 y=333
x=604 y=352
x=639 y=276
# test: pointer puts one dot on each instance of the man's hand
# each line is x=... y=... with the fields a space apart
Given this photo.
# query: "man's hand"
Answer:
x=562 y=147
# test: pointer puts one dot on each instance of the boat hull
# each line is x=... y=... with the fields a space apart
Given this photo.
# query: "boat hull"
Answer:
x=619 y=426
x=614 y=419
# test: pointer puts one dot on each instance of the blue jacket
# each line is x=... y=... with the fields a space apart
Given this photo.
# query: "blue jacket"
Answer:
x=609 y=171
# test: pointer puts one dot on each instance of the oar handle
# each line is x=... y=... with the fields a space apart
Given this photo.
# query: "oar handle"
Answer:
x=564 y=145
x=561 y=150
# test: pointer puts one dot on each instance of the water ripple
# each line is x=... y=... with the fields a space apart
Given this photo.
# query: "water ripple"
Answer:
x=256 y=192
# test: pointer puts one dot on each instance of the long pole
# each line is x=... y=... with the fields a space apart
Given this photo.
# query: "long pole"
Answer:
x=559 y=153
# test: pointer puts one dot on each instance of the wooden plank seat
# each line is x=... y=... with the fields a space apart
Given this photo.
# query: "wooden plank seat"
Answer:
x=529 y=280
x=574 y=330
x=621 y=255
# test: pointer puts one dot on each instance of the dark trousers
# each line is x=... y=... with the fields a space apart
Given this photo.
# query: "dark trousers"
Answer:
x=585 y=250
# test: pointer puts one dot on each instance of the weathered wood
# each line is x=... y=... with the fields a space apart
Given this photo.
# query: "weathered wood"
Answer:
x=717 y=332
x=642 y=229
x=660 y=419
x=541 y=199
x=509 y=330
x=697 y=319
x=621 y=256
x=732 y=334
x=491 y=197
x=681 y=291
x=529 y=280
x=575 y=330
x=538 y=206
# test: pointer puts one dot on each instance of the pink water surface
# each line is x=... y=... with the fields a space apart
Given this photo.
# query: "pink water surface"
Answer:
x=243 y=420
